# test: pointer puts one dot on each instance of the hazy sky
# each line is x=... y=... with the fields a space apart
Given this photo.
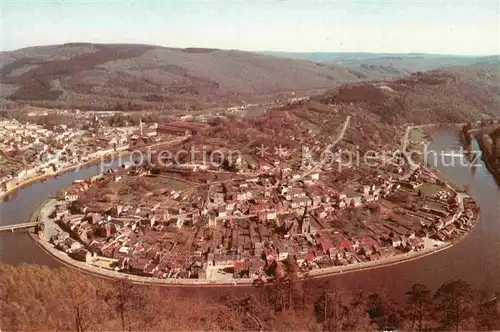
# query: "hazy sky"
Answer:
x=342 y=26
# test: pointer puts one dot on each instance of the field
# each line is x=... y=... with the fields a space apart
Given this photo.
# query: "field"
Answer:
x=130 y=190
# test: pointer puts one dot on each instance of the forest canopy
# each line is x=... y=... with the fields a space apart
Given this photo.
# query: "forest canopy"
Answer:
x=39 y=298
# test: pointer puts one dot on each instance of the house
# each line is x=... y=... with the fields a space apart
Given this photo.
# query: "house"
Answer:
x=355 y=201
x=439 y=236
x=310 y=256
x=300 y=202
x=271 y=215
x=241 y=269
x=397 y=241
x=333 y=253
x=264 y=167
x=315 y=199
x=342 y=204
x=314 y=176
x=370 y=241
x=222 y=212
x=345 y=245
x=386 y=252
x=439 y=225
x=416 y=243
x=449 y=231
x=326 y=244
x=367 y=249
x=282 y=253
x=212 y=221
x=256 y=267
x=295 y=193
x=365 y=190
x=448 y=221
x=321 y=212
x=70 y=197
x=305 y=226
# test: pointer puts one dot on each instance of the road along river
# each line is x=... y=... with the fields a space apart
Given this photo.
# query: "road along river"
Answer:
x=476 y=259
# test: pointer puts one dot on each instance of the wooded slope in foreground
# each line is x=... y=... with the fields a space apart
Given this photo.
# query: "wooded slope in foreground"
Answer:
x=39 y=298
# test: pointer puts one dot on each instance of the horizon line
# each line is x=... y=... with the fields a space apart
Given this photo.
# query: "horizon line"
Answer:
x=458 y=54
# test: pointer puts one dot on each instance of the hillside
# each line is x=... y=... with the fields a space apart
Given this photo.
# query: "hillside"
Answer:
x=376 y=65
x=380 y=110
x=138 y=76
x=69 y=301
x=441 y=96
x=128 y=76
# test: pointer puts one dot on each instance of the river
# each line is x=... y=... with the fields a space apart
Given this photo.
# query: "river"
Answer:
x=17 y=247
x=476 y=259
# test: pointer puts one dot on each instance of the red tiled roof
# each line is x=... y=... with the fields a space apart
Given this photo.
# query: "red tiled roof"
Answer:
x=345 y=244
x=326 y=244
x=310 y=256
x=369 y=240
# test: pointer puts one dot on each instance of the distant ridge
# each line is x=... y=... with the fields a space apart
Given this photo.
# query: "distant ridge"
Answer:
x=397 y=62
x=139 y=76
x=135 y=76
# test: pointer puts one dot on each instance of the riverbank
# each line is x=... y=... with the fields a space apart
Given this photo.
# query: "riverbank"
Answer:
x=487 y=162
x=51 y=175
x=385 y=262
x=314 y=274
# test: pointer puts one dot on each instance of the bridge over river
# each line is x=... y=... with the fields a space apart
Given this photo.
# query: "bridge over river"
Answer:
x=18 y=226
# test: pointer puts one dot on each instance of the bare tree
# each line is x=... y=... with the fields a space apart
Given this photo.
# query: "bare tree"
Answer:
x=419 y=301
x=457 y=305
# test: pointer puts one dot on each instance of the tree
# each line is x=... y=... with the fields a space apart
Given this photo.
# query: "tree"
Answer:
x=384 y=311
x=341 y=311
x=83 y=298
x=457 y=305
x=134 y=306
x=488 y=145
x=419 y=301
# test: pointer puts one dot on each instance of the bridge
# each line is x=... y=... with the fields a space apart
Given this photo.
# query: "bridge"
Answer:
x=17 y=226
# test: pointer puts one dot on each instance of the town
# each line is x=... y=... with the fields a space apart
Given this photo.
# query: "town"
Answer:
x=252 y=217
x=30 y=151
